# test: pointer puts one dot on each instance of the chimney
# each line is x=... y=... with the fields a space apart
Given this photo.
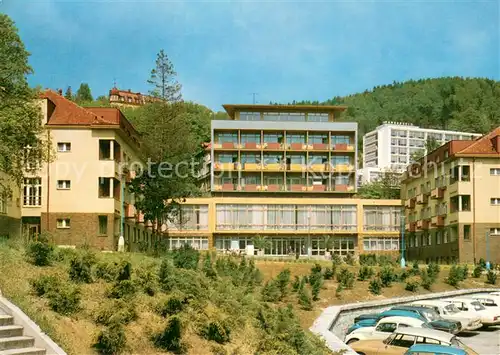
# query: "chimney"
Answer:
x=495 y=141
x=59 y=91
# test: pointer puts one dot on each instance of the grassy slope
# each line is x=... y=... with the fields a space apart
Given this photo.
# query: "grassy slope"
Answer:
x=76 y=334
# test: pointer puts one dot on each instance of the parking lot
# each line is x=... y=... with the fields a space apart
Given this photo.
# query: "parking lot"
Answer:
x=485 y=341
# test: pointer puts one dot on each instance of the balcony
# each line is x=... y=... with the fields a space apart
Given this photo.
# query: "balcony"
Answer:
x=437 y=221
x=420 y=224
x=343 y=168
x=410 y=203
x=296 y=146
x=274 y=167
x=251 y=145
x=343 y=147
x=274 y=188
x=425 y=224
x=437 y=193
x=319 y=188
x=227 y=166
x=225 y=187
x=252 y=167
x=252 y=188
x=411 y=227
x=460 y=188
x=139 y=217
x=296 y=167
x=318 y=146
x=129 y=211
x=420 y=199
x=297 y=187
x=273 y=146
x=319 y=167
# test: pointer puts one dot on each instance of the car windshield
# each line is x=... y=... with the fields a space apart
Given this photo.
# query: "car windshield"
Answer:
x=427 y=325
x=458 y=343
x=451 y=309
x=431 y=315
x=477 y=306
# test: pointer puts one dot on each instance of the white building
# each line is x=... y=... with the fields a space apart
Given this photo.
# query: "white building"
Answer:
x=391 y=145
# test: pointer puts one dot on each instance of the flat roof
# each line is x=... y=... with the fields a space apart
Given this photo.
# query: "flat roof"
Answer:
x=230 y=108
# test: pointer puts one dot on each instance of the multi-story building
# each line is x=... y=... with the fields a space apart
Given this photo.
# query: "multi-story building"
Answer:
x=391 y=145
x=452 y=202
x=79 y=197
x=286 y=173
x=127 y=98
x=283 y=149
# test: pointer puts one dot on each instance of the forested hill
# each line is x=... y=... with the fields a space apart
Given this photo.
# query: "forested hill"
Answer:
x=454 y=103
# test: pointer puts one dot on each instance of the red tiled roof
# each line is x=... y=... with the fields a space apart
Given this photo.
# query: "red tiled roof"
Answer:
x=482 y=145
x=109 y=115
x=67 y=112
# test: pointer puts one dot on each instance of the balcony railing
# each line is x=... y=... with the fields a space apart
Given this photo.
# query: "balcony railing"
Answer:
x=281 y=188
x=301 y=146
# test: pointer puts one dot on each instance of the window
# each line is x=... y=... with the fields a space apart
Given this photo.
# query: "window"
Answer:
x=495 y=201
x=381 y=218
x=495 y=171
x=63 y=184
x=190 y=217
x=250 y=138
x=63 y=147
x=317 y=117
x=380 y=243
x=467 y=232
x=32 y=192
x=104 y=187
x=495 y=231
x=63 y=223
x=386 y=327
x=465 y=176
x=341 y=140
x=103 y=225
x=249 y=116
x=402 y=340
x=105 y=149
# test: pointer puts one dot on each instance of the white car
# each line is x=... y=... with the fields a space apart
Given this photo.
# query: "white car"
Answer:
x=470 y=321
x=488 y=316
x=384 y=328
x=496 y=293
x=488 y=300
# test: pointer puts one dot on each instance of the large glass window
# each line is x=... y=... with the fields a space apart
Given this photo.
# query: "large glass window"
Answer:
x=226 y=137
x=32 y=192
x=190 y=217
x=250 y=158
x=284 y=116
x=340 y=160
x=250 y=138
x=317 y=117
x=270 y=158
x=380 y=243
x=200 y=243
x=249 y=116
x=340 y=139
x=295 y=138
x=318 y=138
x=226 y=158
x=341 y=180
x=273 y=137
x=381 y=218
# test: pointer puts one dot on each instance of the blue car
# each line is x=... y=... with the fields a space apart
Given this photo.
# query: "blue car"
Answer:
x=369 y=320
x=428 y=349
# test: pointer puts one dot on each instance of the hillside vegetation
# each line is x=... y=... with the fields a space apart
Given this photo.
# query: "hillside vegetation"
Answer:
x=454 y=103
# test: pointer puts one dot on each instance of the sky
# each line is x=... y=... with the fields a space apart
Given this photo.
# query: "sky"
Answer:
x=223 y=51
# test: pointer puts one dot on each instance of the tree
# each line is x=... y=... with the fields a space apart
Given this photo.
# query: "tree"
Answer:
x=21 y=141
x=83 y=94
x=68 y=94
x=163 y=79
x=386 y=187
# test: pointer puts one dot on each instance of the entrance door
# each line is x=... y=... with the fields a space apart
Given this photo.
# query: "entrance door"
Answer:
x=33 y=230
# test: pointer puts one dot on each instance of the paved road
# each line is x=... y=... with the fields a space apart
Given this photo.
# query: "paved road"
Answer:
x=484 y=341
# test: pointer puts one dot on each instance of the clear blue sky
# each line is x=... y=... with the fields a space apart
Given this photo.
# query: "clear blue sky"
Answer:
x=283 y=50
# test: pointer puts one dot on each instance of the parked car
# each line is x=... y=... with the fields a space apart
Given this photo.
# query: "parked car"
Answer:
x=427 y=349
x=369 y=320
x=488 y=300
x=488 y=316
x=399 y=342
x=469 y=321
x=433 y=318
x=383 y=328
x=496 y=293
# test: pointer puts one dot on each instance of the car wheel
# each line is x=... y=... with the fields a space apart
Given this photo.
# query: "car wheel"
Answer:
x=352 y=341
x=360 y=353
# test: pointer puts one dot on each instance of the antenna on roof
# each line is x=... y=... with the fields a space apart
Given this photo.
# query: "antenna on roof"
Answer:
x=254 y=94
x=114 y=82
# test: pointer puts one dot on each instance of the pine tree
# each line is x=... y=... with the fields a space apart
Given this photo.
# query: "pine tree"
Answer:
x=83 y=94
x=163 y=79
x=68 y=94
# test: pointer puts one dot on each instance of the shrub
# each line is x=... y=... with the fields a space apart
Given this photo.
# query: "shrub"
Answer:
x=345 y=278
x=316 y=268
x=412 y=286
x=387 y=276
x=433 y=270
x=491 y=278
x=146 y=279
x=64 y=254
x=124 y=270
x=316 y=287
x=375 y=286
x=365 y=273
x=218 y=331
x=328 y=274
x=336 y=260
x=282 y=281
x=171 y=338
x=402 y=276
x=305 y=301
x=349 y=259
x=171 y=306
x=186 y=257
x=482 y=263
x=40 y=253
x=415 y=270
x=455 y=276
x=111 y=340
x=208 y=267
x=463 y=272
x=476 y=273
x=166 y=275
x=271 y=292
x=296 y=283
x=385 y=260
x=122 y=289
x=45 y=284
x=65 y=300
x=368 y=259
x=338 y=291
x=106 y=271
x=115 y=312
x=80 y=267
x=427 y=281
